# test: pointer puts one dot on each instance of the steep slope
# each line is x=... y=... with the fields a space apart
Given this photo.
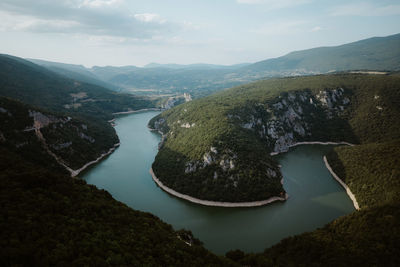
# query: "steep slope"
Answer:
x=69 y=117
x=35 y=85
x=370 y=237
x=217 y=148
x=48 y=218
x=378 y=53
x=75 y=72
x=53 y=140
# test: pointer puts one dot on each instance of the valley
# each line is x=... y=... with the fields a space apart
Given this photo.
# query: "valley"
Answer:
x=77 y=145
x=315 y=198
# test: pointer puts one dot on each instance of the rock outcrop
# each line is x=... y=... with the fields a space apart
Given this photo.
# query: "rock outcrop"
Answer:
x=284 y=122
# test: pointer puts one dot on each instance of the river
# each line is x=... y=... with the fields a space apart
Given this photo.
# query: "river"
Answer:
x=315 y=198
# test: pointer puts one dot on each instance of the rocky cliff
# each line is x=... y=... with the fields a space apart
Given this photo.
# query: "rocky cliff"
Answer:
x=218 y=148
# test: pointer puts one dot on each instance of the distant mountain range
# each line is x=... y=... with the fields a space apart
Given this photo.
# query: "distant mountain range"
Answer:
x=38 y=86
x=196 y=66
x=377 y=53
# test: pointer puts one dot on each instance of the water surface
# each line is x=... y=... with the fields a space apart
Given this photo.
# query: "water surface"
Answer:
x=315 y=198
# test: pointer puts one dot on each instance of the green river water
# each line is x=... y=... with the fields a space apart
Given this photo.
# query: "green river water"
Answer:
x=315 y=198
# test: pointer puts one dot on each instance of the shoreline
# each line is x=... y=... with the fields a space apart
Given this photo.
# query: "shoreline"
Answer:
x=136 y=111
x=76 y=172
x=310 y=143
x=215 y=203
x=348 y=191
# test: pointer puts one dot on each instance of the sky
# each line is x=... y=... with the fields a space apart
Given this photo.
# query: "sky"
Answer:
x=130 y=32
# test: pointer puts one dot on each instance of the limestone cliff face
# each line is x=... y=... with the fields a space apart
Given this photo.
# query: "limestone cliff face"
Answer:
x=237 y=158
x=220 y=173
x=291 y=117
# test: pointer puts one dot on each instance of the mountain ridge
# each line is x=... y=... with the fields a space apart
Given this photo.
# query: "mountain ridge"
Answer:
x=375 y=53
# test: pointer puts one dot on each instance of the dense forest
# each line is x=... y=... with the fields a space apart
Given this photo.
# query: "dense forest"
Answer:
x=73 y=115
x=215 y=148
x=48 y=218
x=28 y=130
x=36 y=85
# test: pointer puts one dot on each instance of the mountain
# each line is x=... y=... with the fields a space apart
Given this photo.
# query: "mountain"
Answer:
x=64 y=119
x=195 y=66
x=215 y=148
x=74 y=72
x=36 y=85
x=49 y=218
x=56 y=141
x=377 y=53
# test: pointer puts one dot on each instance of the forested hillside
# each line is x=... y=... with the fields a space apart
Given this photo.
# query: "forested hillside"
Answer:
x=67 y=118
x=35 y=85
x=275 y=114
x=378 y=53
x=222 y=141
x=50 y=139
x=48 y=218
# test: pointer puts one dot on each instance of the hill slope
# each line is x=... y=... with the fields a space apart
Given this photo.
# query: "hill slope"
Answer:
x=35 y=85
x=378 y=53
x=269 y=116
x=75 y=72
x=51 y=219
x=69 y=117
x=216 y=148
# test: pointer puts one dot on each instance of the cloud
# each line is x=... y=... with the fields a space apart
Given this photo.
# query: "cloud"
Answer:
x=101 y=3
x=366 y=9
x=275 y=4
x=90 y=17
x=150 y=17
x=316 y=29
x=281 y=28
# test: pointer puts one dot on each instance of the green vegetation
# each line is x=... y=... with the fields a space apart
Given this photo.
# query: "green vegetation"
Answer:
x=203 y=79
x=79 y=131
x=372 y=171
x=74 y=141
x=35 y=85
x=245 y=123
x=370 y=237
x=74 y=72
x=51 y=219
x=378 y=53
x=214 y=148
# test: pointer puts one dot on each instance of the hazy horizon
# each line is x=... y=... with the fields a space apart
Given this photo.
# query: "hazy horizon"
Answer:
x=122 y=32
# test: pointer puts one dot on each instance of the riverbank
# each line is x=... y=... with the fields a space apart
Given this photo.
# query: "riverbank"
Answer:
x=215 y=203
x=311 y=143
x=348 y=191
x=136 y=111
x=76 y=172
